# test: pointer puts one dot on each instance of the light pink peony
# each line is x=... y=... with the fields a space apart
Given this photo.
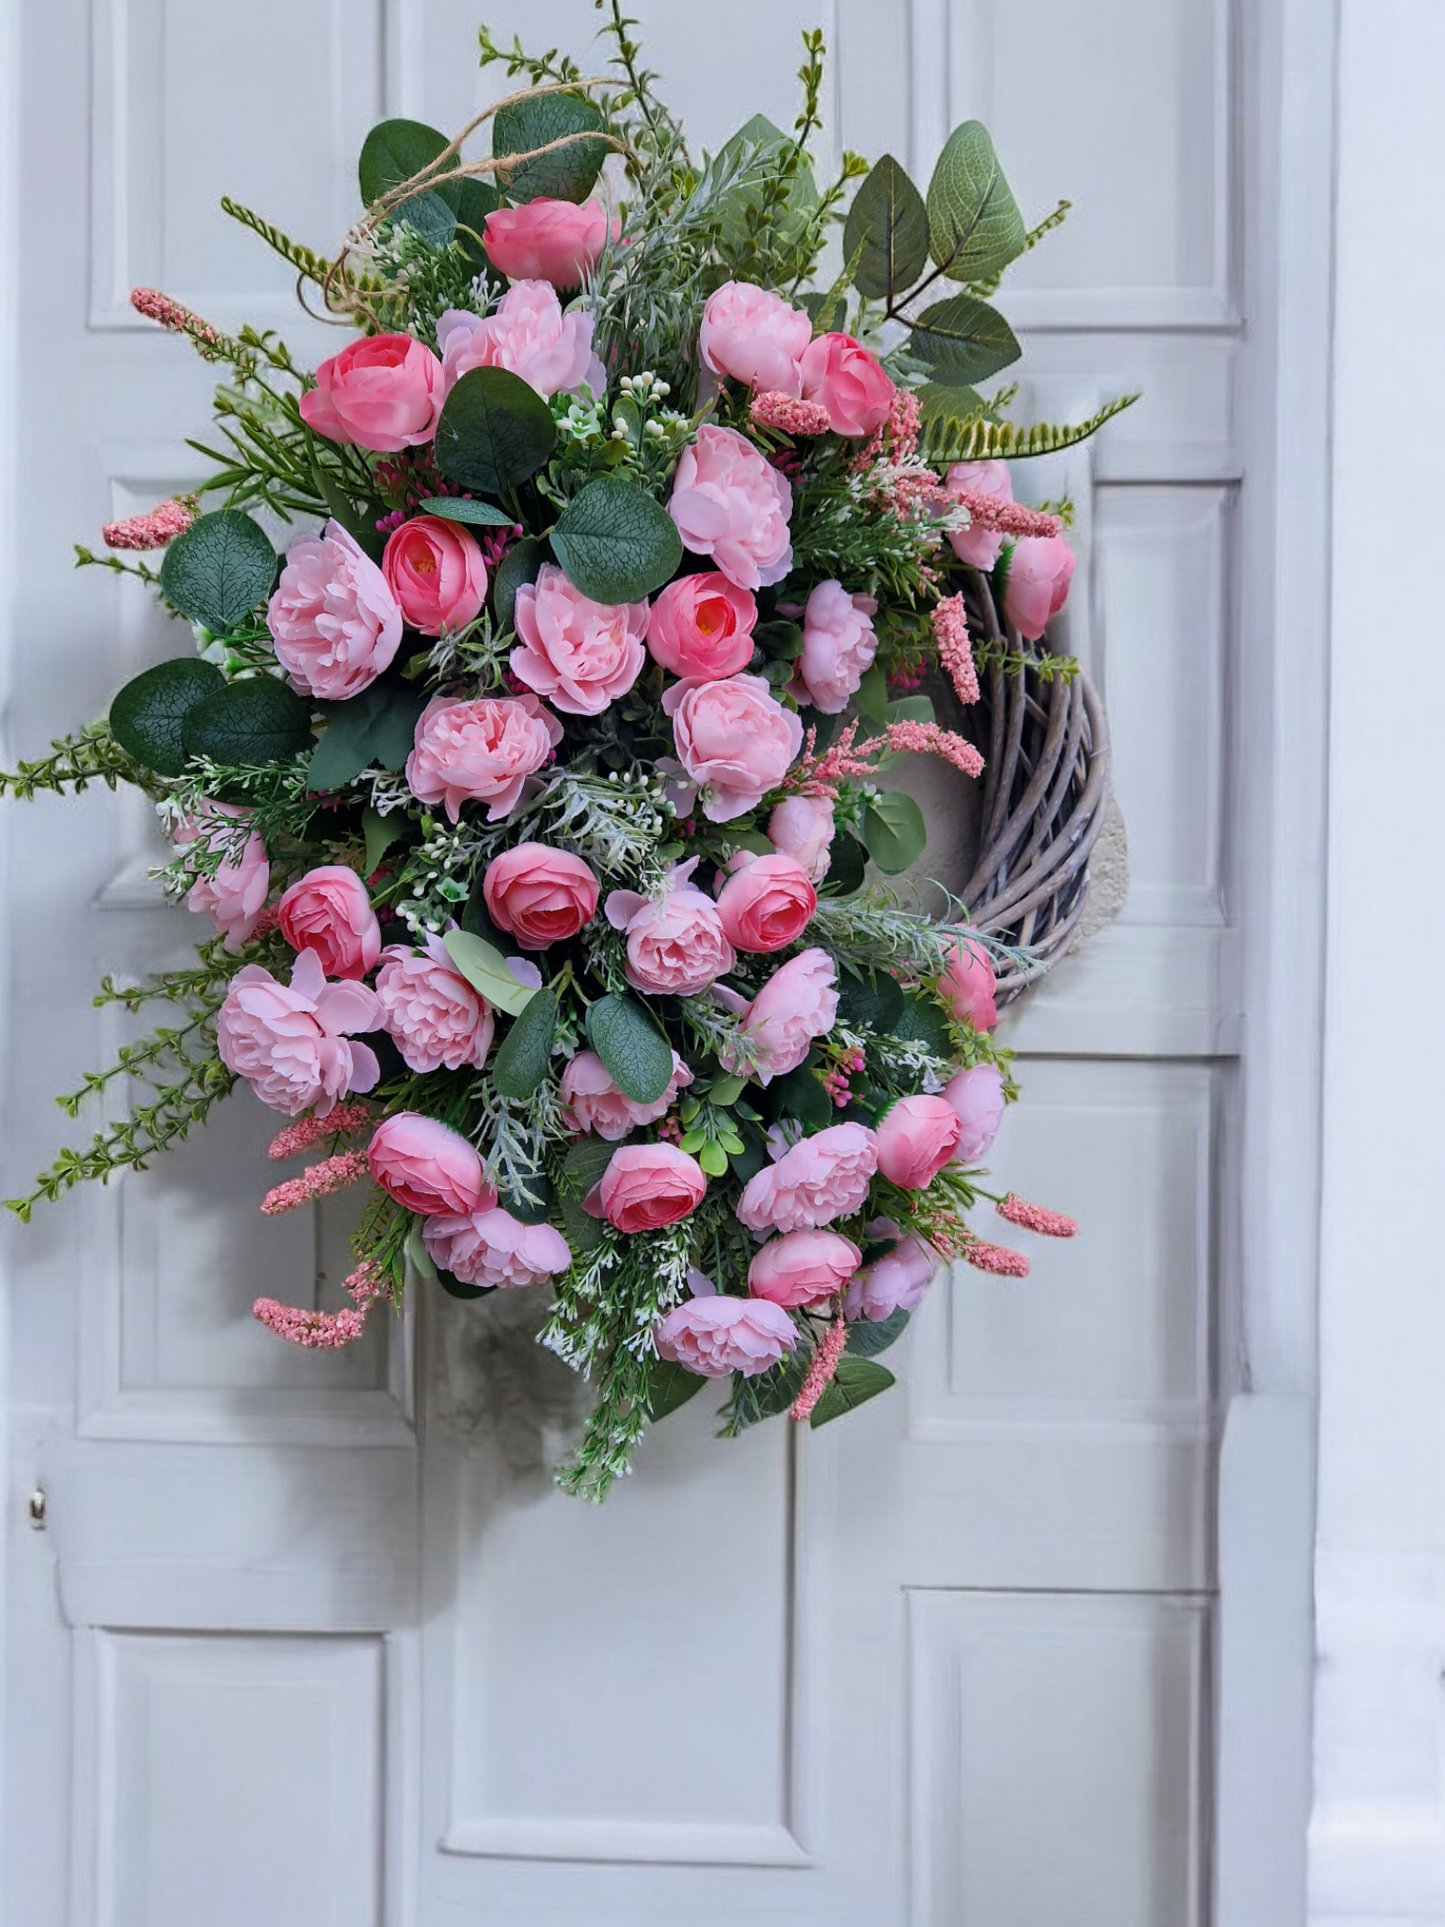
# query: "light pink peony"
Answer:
x=702 y=625
x=328 y=911
x=292 y=1044
x=734 y=739
x=730 y=504
x=977 y=1098
x=428 y=1167
x=716 y=1336
x=917 y=1136
x=967 y=985
x=766 y=904
x=1039 y=573
x=436 y=572
x=803 y=1268
x=485 y=749
x=581 y=655
x=841 y=375
x=383 y=392
x=438 y=1020
x=798 y=1003
x=592 y=1102
x=979 y=548
x=334 y=622
x=754 y=336
x=802 y=827
x=547 y=240
x=647 y=1186
x=894 y=1282
x=494 y=1248
x=528 y=334
x=236 y=894
x=675 y=946
x=820 y=1178
x=539 y=895
x=839 y=644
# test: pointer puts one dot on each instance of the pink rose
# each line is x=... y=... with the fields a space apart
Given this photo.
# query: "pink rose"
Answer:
x=841 y=375
x=754 y=336
x=647 y=1186
x=436 y=572
x=967 y=985
x=716 y=1336
x=978 y=1102
x=291 y=1044
x=839 y=643
x=702 y=625
x=820 y=1178
x=675 y=946
x=437 y=1018
x=491 y=1247
x=592 y=1102
x=484 y=749
x=528 y=334
x=428 y=1167
x=539 y=895
x=333 y=620
x=766 y=904
x=803 y=1268
x=383 y=392
x=916 y=1138
x=235 y=894
x=730 y=504
x=581 y=655
x=802 y=827
x=328 y=911
x=734 y=739
x=1040 y=570
x=798 y=1003
x=546 y=240
x=979 y=548
x=894 y=1282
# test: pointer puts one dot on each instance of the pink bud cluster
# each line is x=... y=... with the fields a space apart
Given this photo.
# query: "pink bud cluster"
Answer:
x=955 y=650
x=998 y=1259
x=306 y=1131
x=774 y=409
x=181 y=320
x=325 y=1331
x=1033 y=1217
x=898 y=435
x=927 y=739
x=1009 y=518
x=318 y=1181
x=670 y=1130
x=820 y=1372
x=836 y=1083
x=153 y=530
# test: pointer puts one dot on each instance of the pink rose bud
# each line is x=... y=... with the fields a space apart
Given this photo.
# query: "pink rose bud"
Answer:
x=802 y=827
x=803 y=1268
x=734 y=739
x=978 y=1101
x=967 y=985
x=427 y=1167
x=546 y=240
x=916 y=1138
x=592 y=1102
x=894 y=1282
x=820 y=1178
x=329 y=912
x=979 y=548
x=731 y=504
x=717 y=1336
x=647 y=1186
x=333 y=620
x=485 y=749
x=235 y=895
x=702 y=625
x=1039 y=573
x=798 y=1003
x=494 y=1248
x=851 y=384
x=292 y=1045
x=436 y=1017
x=839 y=644
x=530 y=335
x=674 y=947
x=754 y=336
x=539 y=895
x=581 y=655
x=767 y=904
x=436 y=572
x=383 y=392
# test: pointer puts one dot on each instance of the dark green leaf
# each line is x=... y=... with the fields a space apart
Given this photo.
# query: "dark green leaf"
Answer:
x=873 y=1002
x=847 y=863
x=495 y=431
x=454 y=1288
x=872 y=697
x=855 y=1381
x=669 y=1385
x=147 y=714
x=911 y=709
x=430 y=216
x=461 y=508
x=754 y=1154
x=584 y=1164
x=380 y=833
x=485 y=969
x=521 y=1063
x=868 y=1337
x=615 y=543
x=376 y=727
x=259 y=720
x=633 y=1047
x=887 y=229
x=475 y=200
x=742 y=209
x=582 y=1231
x=567 y=174
x=393 y=152
x=768 y=1393
x=359 y=523
x=522 y=563
x=964 y=340
x=521 y=1210
x=799 y=1094
x=475 y=920
x=974 y=225
x=780 y=639
x=922 y=1021
x=894 y=831
x=218 y=571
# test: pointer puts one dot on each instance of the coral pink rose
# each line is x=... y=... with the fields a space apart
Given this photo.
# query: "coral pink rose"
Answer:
x=821 y=1178
x=436 y=572
x=675 y=946
x=967 y=985
x=978 y=1101
x=839 y=644
x=979 y=548
x=235 y=893
x=592 y=1102
x=530 y=335
x=328 y=911
x=292 y=1044
x=334 y=622
x=730 y=504
x=702 y=625
x=716 y=1336
x=894 y=1282
x=798 y=1003
x=647 y=1186
x=803 y=1268
x=581 y=655
x=539 y=895
x=483 y=750
x=754 y=336
x=546 y=240
x=802 y=827
x=494 y=1248
x=766 y=904
x=438 y=1020
x=734 y=739
x=428 y=1167
x=383 y=392
x=916 y=1138
x=1040 y=569
x=841 y=376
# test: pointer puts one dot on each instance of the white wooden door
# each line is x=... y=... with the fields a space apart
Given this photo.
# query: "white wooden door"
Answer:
x=286 y=1645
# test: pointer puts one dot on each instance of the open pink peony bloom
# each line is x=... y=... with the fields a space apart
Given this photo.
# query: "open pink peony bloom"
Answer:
x=840 y=374
x=916 y=1137
x=647 y=1186
x=802 y=827
x=547 y=240
x=581 y=655
x=716 y=1336
x=383 y=392
x=439 y=1021
x=333 y=620
x=979 y=548
x=734 y=739
x=530 y=335
x=592 y=1102
x=798 y=1003
x=766 y=903
x=675 y=946
x=731 y=504
x=328 y=911
x=485 y=749
x=803 y=1268
x=820 y=1178
x=428 y=1167
x=494 y=1248
x=702 y=625
x=292 y=1044
x=894 y=1282
x=839 y=644
x=977 y=1098
x=236 y=894
x=967 y=985
x=754 y=336
x=1040 y=570
x=540 y=895
x=436 y=572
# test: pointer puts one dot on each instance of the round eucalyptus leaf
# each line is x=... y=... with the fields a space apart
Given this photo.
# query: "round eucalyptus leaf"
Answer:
x=615 y=543
x=147 y=714
x=218 y=571
x=632 y=1046
x=566 y=174
x=495 y=431
x=255 y=721
x=522 y=563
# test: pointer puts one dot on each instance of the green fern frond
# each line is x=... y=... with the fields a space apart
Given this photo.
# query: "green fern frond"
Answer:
x=983 y=441
x=312 y=267
x=983 y=289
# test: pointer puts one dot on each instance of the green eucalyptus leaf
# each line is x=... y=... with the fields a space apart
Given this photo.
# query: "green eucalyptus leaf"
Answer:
x=584 y=1164
x=800 y=1095
x=417 y=1255
x=564 y=175
x=964 y=340
x=894 y=831
x=522 y=563
x=376 y=727
x=461 y=508
x=632 y=1046
x=147 y=715
x=769 y=1393
x=393 y=152
x=669 y=1385
x=495 y=430
x=872 y=697
x=855 y=1381
x=874 y=1002
x=485 y=969
x=974 y=225
x=430 y=217
x=454 y=1288
x=615 y=543
x=868 y=1336
x=475 y=200
x=380 y=833
x=521 y=1063
x=912 y=709
x=582 y=1231
x=847 y=864
x=887 y=230
x=258 y=720
x=921 y=1021
x=218 y=571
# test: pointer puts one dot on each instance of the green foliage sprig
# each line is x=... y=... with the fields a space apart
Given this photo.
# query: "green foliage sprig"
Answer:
x=88 y=755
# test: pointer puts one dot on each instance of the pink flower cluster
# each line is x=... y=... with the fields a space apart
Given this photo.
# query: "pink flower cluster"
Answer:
x=154 y=529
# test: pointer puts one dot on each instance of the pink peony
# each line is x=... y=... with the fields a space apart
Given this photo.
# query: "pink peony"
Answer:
x=702 y=625
x=539 y=895
x=802 y=827
x=592 y=1102
x=438 y=1020
x=734 y=739
x=334 y=622
x=1040 y=570
x=528 y=334
x=980 y=548
x=821 y=1178
x=485 y=749
x=647 y=1186
x=894 y=1282
x=546 y=240
x=977 y=1098
x=754 y=336
x=839 y=644
x=291 y=1044
x=581 y=655
x=491 y=1247
x=803 y=1268
x=730 y=504
x=917 y=1136
x=851 y=384
x=967 y=985
x=328 y=911
x=436 y=572
x=766 y=904
x=674 y=946
x=798 y=1003
x=428 y=1167
x=383 y=392
x=235 y=894
x=716 y=1336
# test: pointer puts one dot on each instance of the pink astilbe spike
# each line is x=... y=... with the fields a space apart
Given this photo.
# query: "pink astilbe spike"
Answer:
x=153 y=530
x=366 y=1284
x=1033 y=1217
x=318 y=1331
x=1009 y=518
x=820 y=1372
x=306 y=1131
x=955 y=650
x=998 y=1259
x=927 y=739
x=209 y=342
x=318 y=1181
x=773 y=409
